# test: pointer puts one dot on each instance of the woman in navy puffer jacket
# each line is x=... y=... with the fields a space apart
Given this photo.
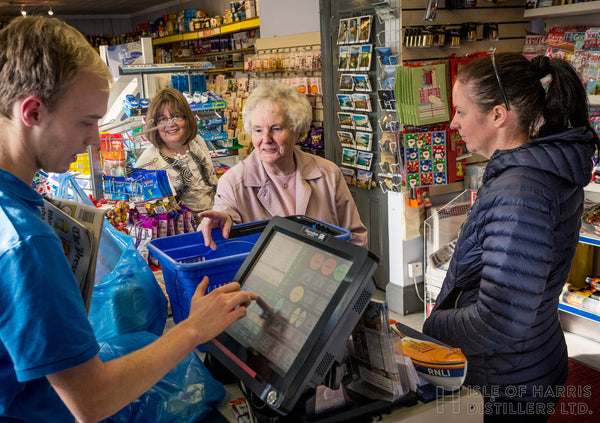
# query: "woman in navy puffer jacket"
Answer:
x=499 y=301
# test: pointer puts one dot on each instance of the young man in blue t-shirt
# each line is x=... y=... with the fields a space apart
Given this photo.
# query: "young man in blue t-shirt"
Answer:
x=53 y=90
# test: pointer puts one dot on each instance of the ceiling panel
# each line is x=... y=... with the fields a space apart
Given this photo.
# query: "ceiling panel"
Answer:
x=80 y=7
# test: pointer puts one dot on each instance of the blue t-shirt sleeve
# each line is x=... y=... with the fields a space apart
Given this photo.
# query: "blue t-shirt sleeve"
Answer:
x=43 y=322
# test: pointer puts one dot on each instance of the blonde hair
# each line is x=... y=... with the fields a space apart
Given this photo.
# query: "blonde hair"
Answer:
x=42 y=56
x=295 y=106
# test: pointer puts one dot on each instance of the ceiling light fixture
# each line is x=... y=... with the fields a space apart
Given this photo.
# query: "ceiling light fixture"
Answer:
x=50 y=11
x=23 y=12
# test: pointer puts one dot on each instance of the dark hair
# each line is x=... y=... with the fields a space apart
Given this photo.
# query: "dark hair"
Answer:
x=540 y=113
x=176 y=103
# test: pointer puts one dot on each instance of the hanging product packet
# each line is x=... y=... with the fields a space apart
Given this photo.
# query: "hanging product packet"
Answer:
x=151 y=192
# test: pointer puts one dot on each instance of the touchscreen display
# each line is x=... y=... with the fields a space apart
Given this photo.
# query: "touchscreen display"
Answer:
x=296 y=282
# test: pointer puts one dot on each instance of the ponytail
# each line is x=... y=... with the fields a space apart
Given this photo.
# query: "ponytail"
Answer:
x=565 y=103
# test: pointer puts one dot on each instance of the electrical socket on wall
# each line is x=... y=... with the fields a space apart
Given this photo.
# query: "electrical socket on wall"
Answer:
x=415 y=269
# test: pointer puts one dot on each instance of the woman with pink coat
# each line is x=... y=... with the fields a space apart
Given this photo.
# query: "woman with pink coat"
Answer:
x=278 y=179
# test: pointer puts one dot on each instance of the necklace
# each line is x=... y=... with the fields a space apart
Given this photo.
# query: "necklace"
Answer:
x=181 y=157
x=284 y=180
x=177 y=156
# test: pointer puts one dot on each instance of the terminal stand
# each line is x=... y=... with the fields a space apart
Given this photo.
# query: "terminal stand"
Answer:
x=357 y=409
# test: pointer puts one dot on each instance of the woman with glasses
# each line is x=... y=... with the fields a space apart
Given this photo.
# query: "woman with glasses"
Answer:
x=278 y=179
x=499 y=301
x=177 y=148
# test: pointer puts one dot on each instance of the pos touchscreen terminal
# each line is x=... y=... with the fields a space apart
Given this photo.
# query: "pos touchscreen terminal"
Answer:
x=313 y=288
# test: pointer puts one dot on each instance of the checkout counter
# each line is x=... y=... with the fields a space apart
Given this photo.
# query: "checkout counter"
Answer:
x=463 y=406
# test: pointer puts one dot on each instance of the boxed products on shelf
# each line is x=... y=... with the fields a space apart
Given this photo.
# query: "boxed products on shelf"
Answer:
x=588 y=300
x=578 y=44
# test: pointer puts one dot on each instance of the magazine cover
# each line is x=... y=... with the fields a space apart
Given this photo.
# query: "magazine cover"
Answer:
x=79 y=228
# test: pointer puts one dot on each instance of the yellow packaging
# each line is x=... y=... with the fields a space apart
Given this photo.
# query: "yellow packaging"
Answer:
x=81 y=165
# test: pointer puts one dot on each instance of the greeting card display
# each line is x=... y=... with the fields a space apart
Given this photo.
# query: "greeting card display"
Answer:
x=349 y=175
x=421 y=94
x=364 y=178
x=349 y=157
x=346 y=120
x=425 y=158
x=388 y=143
x=362 y=122
x=355 y=90
x=361 y=82
x=364 y=140
x=345 y=101
x=353 y=62
x=389 y=122
x=388 y=78
x=347 y=82
x=364 y=30
x=346 y=138
x=352 y=30
x=364 y=160
x=390 y=182
x=387 y=100
x=344 y=58
x=343 y=32
x=365 y=57
x=361 y=102
x=389 y=163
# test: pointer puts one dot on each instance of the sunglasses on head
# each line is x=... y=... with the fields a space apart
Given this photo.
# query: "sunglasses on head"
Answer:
x=499 y=81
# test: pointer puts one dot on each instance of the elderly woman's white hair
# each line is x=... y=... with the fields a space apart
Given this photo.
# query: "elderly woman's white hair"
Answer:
x=294 y=106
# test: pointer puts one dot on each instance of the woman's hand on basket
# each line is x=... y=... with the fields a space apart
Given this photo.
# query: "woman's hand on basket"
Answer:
x=214 y=219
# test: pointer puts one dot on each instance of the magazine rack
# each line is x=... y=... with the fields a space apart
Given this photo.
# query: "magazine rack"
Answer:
x=441 y=230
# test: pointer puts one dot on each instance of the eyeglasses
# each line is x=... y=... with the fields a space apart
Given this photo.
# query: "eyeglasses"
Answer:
x=499 y=81
x=173 y=119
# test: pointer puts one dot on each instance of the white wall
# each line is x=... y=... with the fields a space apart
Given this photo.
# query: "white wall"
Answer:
x=287 y=17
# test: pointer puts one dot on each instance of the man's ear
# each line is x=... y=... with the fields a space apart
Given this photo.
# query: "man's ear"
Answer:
x=30 y=109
